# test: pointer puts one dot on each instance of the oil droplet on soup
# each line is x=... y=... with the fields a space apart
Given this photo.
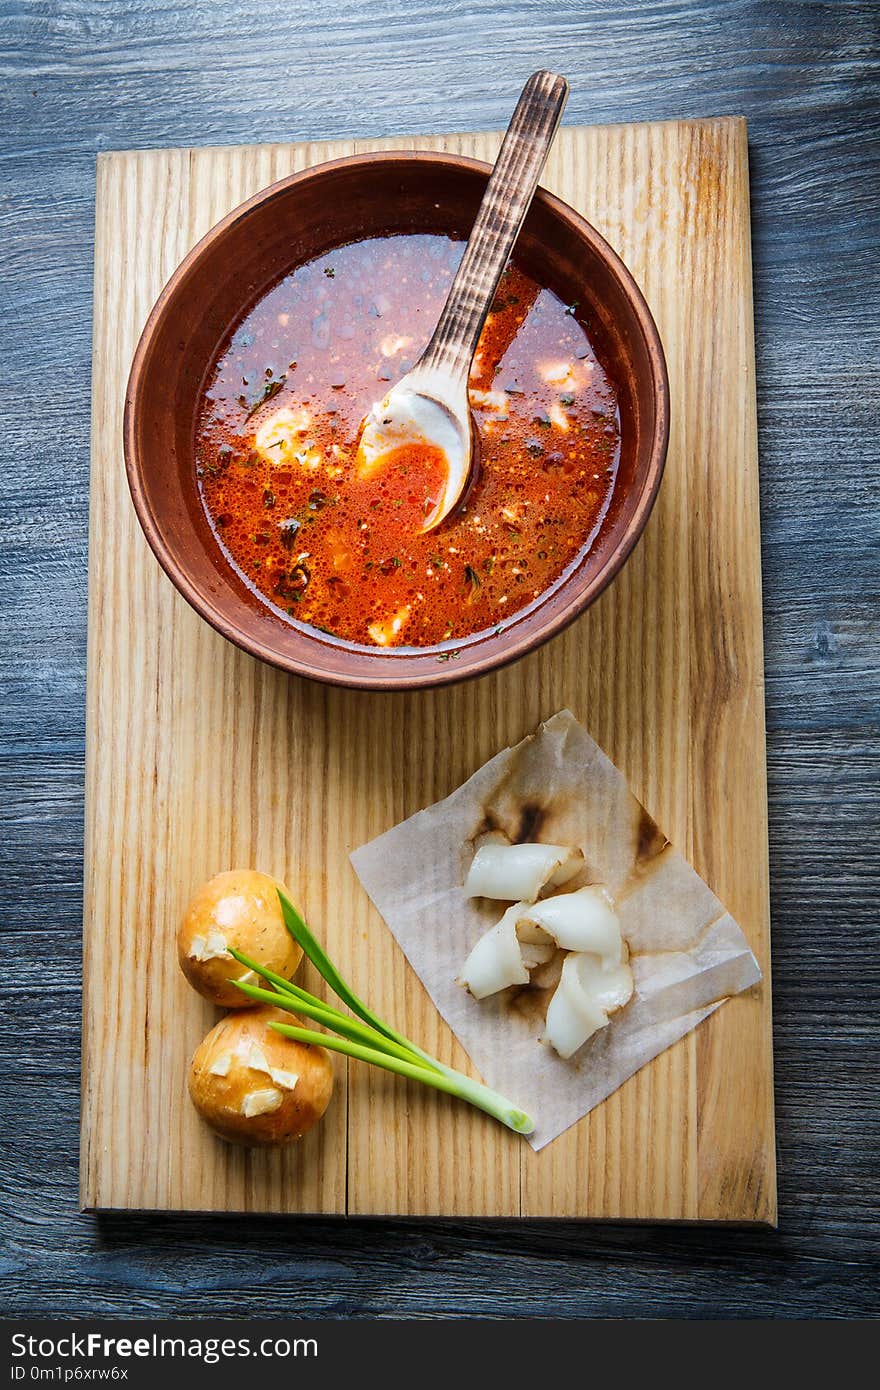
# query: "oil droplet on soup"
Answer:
x=278 y=429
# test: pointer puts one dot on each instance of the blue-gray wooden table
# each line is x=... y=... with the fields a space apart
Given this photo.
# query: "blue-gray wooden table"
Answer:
x=83 y=76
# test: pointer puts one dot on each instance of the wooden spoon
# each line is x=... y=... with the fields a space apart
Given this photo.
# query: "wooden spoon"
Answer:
x=430 y=404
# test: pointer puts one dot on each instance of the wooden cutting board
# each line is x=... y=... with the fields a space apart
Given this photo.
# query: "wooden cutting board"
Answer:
x=201 y=759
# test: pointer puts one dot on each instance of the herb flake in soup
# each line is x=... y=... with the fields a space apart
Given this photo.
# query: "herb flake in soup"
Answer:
x=277 y=436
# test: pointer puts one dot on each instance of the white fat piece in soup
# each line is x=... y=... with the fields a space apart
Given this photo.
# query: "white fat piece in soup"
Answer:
x=519 y=872
x=588 y=991
x=283 y=439
x=581 y=921
x=385 y=631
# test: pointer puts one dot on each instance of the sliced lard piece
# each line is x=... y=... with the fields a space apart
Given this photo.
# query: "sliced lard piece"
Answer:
x=517 y=873
x=586 y=994
x=496 y=961
x=580 y=921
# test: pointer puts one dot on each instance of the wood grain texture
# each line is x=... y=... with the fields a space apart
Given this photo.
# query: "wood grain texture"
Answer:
x=196 y=755
x=91 y=75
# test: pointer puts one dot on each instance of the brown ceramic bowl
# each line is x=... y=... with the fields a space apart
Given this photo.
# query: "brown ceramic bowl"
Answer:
x=304 y=216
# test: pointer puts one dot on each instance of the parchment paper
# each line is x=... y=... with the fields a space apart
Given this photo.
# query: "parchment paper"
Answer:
x=557 y=786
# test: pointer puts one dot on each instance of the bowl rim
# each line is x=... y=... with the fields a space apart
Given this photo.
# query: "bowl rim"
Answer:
x=445 y=674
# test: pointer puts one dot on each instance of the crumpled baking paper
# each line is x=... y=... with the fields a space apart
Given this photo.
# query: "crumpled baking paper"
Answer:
x=687 y=953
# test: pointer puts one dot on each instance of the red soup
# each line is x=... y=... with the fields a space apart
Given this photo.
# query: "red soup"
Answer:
x=278 y=430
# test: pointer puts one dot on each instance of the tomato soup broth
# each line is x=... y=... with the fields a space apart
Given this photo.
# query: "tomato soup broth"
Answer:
x=278 y=429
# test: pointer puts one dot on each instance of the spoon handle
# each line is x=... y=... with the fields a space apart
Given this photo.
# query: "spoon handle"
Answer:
x=506 y=200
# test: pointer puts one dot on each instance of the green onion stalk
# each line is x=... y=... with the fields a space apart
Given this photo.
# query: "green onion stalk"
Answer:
x=365 y=1037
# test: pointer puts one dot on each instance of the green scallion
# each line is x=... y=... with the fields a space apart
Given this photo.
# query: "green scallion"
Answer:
x=369 y=1040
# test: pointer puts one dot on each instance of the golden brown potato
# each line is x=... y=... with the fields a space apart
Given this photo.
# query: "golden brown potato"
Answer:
x=239 y=909
x=253 y=1086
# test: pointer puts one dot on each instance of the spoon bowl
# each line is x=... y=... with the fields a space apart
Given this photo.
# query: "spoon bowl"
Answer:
x=425 y=409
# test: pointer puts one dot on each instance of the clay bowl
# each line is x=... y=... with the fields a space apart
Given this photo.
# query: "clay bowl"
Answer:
x=304 y=216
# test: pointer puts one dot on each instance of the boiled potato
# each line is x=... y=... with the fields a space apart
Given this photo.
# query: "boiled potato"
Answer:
x=239 y=909
x=253 y=1086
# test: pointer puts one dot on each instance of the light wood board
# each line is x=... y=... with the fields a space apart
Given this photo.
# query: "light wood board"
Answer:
x=199 y=758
